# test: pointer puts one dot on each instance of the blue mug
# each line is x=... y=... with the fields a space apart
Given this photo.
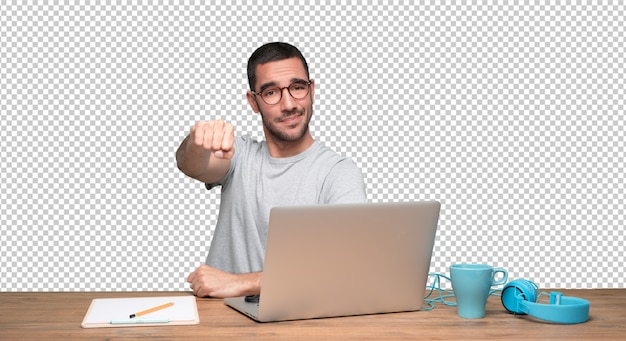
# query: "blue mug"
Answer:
x=471 y=284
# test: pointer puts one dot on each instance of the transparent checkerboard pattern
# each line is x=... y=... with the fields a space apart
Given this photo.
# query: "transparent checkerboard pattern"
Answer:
x=510 y=115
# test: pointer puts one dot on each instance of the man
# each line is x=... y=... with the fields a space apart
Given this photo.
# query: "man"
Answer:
x=288 y=168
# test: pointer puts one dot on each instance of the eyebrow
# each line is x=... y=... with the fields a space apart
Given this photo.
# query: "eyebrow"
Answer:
x=272 y=84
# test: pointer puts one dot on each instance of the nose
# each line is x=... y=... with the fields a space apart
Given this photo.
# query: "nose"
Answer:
x=287 y=103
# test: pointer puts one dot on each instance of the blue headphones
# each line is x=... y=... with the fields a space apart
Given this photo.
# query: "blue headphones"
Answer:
x=520 y=297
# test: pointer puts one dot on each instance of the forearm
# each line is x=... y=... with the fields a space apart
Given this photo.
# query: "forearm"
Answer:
x=208 y=281
x=189 y=162
x=250 y=283
x=199 y=163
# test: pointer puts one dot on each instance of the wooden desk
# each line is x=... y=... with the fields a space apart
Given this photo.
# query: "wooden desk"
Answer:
x=57 y=316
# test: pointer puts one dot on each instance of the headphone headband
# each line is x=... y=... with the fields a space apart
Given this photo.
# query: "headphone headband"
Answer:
x=519 y=297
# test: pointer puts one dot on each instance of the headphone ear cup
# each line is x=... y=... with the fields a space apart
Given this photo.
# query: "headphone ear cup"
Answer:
x=517 y=291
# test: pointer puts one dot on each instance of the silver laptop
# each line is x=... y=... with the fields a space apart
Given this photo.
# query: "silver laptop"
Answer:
x=344 y=259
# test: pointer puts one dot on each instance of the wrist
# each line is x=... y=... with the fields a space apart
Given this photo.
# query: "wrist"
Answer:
x=250 y=283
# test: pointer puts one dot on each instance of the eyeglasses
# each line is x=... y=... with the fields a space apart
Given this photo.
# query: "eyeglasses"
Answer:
x=297 y=90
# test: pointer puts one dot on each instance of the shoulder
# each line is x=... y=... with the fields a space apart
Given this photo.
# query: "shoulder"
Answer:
x=335 y=163
x=246 y=145
x=331 y=157
x=246 y=140
x=343 y=180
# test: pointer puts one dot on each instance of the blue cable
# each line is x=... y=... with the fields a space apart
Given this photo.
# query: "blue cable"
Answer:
x=444 y=294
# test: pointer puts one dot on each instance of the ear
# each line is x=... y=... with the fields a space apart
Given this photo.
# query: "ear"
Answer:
x=252 y=101
x=312 y=90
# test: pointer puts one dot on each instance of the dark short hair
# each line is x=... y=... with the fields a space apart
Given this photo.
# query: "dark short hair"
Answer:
x=272 y=52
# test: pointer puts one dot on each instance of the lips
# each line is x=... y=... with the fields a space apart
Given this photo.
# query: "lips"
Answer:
x=291 y=118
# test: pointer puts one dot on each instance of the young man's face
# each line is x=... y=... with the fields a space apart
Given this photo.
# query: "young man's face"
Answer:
x=288 y=119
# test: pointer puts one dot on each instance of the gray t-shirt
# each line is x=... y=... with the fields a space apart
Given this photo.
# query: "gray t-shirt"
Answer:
x=256 y=182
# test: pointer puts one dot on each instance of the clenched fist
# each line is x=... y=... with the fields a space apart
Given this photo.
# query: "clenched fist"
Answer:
x=214 y=136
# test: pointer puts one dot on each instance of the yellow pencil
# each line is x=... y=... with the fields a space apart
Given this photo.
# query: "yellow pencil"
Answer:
x=151 y=310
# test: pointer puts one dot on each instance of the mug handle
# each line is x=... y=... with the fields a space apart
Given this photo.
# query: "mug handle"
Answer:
x=505 y=276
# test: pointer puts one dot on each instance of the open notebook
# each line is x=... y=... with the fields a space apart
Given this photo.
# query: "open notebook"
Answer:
x=116 y=312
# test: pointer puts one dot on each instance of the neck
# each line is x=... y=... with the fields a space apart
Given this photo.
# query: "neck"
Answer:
x=281 y=149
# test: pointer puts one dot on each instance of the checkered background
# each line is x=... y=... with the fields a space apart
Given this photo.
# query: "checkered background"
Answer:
x=511 y=115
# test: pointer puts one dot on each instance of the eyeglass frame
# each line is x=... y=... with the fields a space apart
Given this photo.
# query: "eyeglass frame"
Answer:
x=281 y=90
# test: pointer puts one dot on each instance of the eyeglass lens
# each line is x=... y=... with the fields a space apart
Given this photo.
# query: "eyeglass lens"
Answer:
x=297 y=90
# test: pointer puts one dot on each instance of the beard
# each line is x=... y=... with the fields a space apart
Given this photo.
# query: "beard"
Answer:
x=277 y=134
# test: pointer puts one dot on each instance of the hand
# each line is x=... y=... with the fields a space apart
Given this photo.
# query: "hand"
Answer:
x=207 y=281
x=214 y=136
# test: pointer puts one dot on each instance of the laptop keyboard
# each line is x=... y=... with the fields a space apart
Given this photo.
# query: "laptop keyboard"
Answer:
x=252 y=298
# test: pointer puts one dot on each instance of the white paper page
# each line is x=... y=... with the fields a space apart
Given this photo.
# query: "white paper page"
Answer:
x=106 y=309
